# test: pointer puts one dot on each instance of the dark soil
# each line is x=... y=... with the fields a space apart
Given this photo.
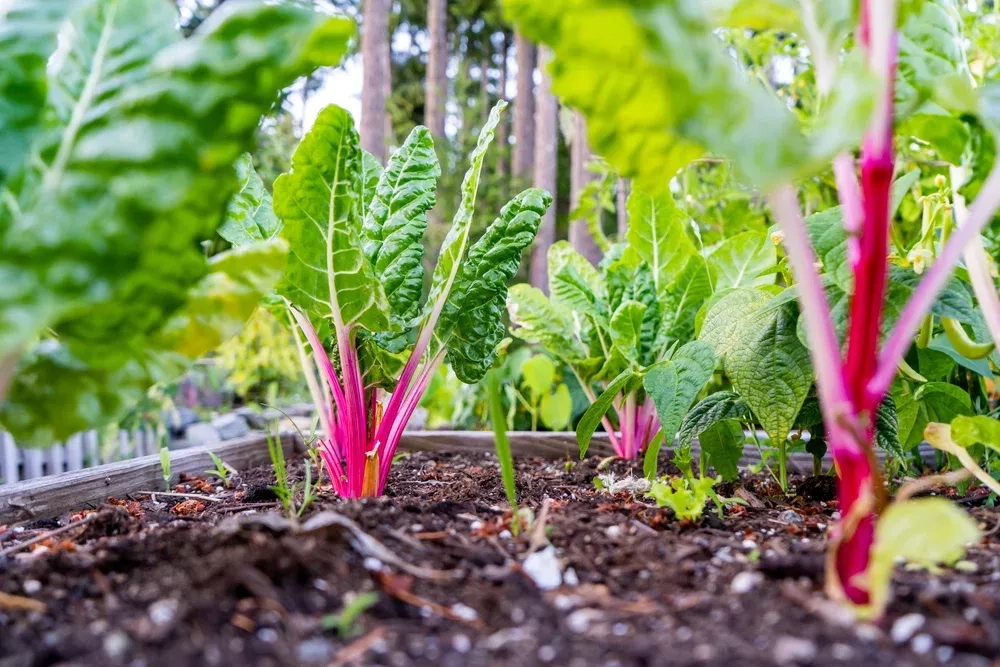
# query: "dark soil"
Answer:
x=164 y=582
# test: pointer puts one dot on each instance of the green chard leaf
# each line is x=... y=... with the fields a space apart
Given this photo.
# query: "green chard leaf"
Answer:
x=626 y=329
x=371 y=173
x=250 y=216
x=328 y=273
x=977 y=430
x=471 y=324
x=535 y=319
x=683 y=299
x=575 y=283
x=657 y=234
x=931 y=49
x=740 y=261
x=395 y=224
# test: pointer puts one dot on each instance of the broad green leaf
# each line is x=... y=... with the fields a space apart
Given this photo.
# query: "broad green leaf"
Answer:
x=328 y=273
x=626 y=329
x=658 y=90
x=537 y=374
x=767 y=363
x=449 y=259
x=657 y=234
x=931 y=48
x=471 y=324
x=28 y=31
x=934 y=365
x=395 y=224
x=535 y=319
x=683 y=298
x=977 y=430
x=574 y=282
x=556 y=408
x=716 y=407
x=371 y=173
x=722 y=443
x=887 y=428
x=740 y=260
x=755 y=14
x=946 y=134
x=629 y=279
x=931 y=402
x=624 y=384
x=980 y=366
x=673 y=385
x=250 y=216
x=926 y=532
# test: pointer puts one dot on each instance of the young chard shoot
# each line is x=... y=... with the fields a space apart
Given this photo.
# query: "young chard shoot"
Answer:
x=897 y=63
x=626 y=326
x=354 y=280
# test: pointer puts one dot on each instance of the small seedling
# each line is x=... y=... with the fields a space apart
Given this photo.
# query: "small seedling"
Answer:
x=346 y=622
x=285 y=490
x=503 y=452
x=222 y=469
x=165 y=467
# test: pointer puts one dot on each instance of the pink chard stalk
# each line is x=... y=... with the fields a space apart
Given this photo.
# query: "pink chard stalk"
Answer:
x=354 y=281
x=851 y=389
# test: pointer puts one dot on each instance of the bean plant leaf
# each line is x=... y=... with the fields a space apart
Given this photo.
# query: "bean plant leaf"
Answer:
x=930 y=402
x=471 y=324
x=535 y=319
x=722 y=443
x=456 y=242
x=250 y=216
x=658 y=90
x=740 y=261
x=627 y=382
x=396 y=220
x=328 y=273
x=657 y=234
x=715 y=407
x=887 y=428
x=673 y=385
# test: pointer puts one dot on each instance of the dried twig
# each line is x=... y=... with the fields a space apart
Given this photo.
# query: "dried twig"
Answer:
x=171 y=494
x=538 y=538
x=49 y=533
x=20 y=603
x=915 y=486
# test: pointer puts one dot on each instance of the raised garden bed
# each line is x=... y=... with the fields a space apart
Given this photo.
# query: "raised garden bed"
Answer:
x=157 y=582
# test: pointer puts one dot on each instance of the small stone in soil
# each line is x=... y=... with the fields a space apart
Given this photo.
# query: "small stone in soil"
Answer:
x=842 y=652
x=461 y=643
x=905 y=626
x=793 y=650
x=790 y=516
x=315 y=650
x=744 y=582
x=922 y=644
x=546 y=654
x=116 y=644
x=32 y=586
x=543 y=568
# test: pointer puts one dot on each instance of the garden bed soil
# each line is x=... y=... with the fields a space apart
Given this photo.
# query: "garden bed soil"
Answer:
x=436 y=578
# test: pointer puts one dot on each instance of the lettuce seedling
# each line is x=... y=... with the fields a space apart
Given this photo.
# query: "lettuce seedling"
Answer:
x=671 y=93
x=355 y=277
x=625 y=326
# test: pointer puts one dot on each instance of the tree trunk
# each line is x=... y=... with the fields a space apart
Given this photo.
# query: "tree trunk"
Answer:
x=546 y=171
x=524 y=109
x=484 y=89
x=437 y=66
x=503 y=131
x=579 y=235
x=622 y=207
x=374 y=46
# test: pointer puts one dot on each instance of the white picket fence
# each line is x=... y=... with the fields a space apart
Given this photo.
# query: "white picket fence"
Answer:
x=83 y=450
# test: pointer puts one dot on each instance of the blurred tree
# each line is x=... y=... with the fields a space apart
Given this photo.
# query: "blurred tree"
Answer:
x=524 y=109
x=546 y=170
x=375 y=45
x=579 y=233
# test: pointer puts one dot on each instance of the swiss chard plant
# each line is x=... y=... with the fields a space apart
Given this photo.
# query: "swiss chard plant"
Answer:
x=118 y=139
x=354 y=282
x=658 y=89
x=627 y=326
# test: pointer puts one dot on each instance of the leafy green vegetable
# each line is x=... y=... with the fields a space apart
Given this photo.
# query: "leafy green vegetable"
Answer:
x=930 y=402
x=686 y=496
x=250 y=216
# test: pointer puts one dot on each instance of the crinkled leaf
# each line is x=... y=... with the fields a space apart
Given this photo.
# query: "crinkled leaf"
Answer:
x=683 y=299
x=887 y=428
x=318 y=201
x=535 y=319
x=456 y=242
x=396 y=220
x=742 y=260
x=471 y=323
x=658 y=90
x=250 y=216
x=371 y=172
x=574 y=282
x=716 y=407
x=657 y=234
x=673 y=385
x=626 y=329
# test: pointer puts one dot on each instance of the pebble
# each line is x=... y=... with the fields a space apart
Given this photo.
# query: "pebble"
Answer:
x=461 y=643
x=749 y=544
x=116 y=644
x=793 y=650
x=613 y=531
x=905 y=627
x=842 y=652
x=744 y=582
x=162 y=612
x=543 y=568
x=267 y=635
x=314 y=650
x=684 y=634
x=703 y=652
x=464 y=612
x=570 y=578
x=546 y=653
x=32 y=586
x=790 y=516
x=944 y=653
x=579 y=620
x=922 y=644
x=372 y=564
